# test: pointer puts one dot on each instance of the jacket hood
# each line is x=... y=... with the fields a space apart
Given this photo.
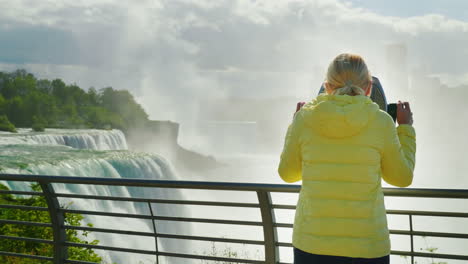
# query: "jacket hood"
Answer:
x=339 y=116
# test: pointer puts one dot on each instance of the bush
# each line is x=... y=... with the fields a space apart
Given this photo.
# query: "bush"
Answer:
x=6 y=125
x=33 y=248
x=38 y=124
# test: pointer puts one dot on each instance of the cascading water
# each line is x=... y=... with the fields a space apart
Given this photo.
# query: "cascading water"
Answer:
x=53 y=154
x=75 y=138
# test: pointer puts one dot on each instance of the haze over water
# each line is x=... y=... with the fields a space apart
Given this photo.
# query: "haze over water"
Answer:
x=181 y=57
x=243 y=64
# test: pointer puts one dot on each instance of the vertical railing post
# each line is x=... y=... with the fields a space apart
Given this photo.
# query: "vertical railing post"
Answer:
x=57 y=219
x=155 y=233
x=269 y=231
x=411 y=237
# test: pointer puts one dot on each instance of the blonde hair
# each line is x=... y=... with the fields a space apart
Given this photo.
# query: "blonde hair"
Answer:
x=348 y=74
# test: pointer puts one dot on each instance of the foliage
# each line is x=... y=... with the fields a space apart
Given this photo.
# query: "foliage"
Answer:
x=33 y=248
x=6 y=125
x=29 y=102
x=228 y=252
x=428 y=249
x=38 y=124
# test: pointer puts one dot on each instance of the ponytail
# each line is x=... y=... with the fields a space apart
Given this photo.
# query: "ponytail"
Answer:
x=349 y=90
x=348 y=75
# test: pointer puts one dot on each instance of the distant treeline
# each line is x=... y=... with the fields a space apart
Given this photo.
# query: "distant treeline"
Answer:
x=26 y=101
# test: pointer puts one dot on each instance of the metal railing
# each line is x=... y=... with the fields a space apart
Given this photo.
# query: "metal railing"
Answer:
x=264 y=204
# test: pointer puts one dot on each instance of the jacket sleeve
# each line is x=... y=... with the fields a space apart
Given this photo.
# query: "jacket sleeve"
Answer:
x=290 y=166
x=398 y=157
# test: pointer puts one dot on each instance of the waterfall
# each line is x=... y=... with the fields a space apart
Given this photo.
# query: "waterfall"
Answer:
x=74 y=153
x=76 y=138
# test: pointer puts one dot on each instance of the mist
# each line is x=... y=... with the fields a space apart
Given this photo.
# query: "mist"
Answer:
x=230 y=72
x=206 y=64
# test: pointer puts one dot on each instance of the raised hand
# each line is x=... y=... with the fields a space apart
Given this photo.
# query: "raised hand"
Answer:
x=299 y=106
x=404 y=114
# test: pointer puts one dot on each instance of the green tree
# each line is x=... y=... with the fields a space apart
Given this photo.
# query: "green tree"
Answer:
x=38 y=124
x=33 y=248
x=56 y=104
x=6 y=125
x=93 y=97
x=16 y=112
x=59 y=90
x=44 y=86
x=17 y=83
x=100 y=117
x=3 y=104
x=122 y=103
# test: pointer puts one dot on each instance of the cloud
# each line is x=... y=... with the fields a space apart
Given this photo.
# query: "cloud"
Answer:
x=176 y=52
x=432 y=23
x=37 y=44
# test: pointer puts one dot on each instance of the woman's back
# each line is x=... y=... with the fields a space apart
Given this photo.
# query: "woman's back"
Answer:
x=336 y=145
x=341 y=146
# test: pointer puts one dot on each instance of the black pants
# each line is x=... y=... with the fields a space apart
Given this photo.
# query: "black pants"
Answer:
x=301 y=257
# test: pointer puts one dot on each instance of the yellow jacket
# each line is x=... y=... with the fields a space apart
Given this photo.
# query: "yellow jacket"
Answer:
x=341 y=146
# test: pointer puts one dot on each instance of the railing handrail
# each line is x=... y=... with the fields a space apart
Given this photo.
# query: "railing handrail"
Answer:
x=264 y=204
x=230 y=186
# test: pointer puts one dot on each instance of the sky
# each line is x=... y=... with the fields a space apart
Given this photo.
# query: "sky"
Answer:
x=173 y=53
x=455 y=9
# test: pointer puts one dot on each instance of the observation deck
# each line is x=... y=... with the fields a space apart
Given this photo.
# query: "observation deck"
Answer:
x=265 y=203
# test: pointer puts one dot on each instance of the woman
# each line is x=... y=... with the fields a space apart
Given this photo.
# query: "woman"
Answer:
x=340 y=145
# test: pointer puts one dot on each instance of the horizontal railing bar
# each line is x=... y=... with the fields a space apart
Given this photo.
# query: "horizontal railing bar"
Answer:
x=122 y=215
x=15 y=222
x=20 y=192
x=111 y=231
x=401 y=253
x=212 y=239
x=426 y=193
x=397 y=212
x=406 y=192
x=204 y=203
x=431 y=234
x=29 y=239
x=210 y=221
x=226 y=186
x=71 y=261
x=23 y=207
x=283 y=206
x=284 y=225
x=212 y=258
x=120 y=249
x=284 y=244
x=12 y=254
x=430 y=255
x=427 y=213
x=159 y=201
x=166 y=218
x=167 y=254
x=402 y=212
x=170 y=236
x=406 y=253
x=403 y=232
